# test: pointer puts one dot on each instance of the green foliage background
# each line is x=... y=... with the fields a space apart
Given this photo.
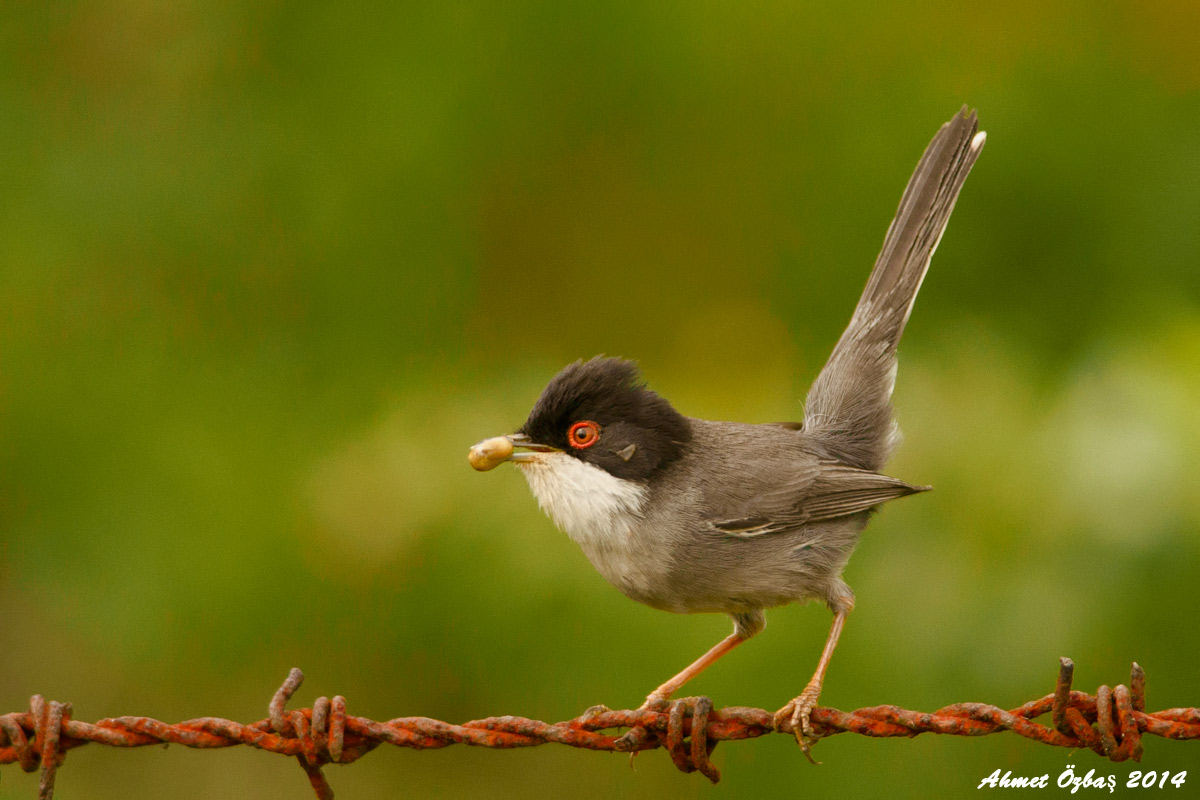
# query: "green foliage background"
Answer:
x=267 y=271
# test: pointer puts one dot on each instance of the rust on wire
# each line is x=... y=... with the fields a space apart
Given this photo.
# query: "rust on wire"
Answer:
x=1110 y=723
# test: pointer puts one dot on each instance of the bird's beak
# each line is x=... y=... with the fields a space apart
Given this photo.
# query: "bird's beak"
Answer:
x=492 y=452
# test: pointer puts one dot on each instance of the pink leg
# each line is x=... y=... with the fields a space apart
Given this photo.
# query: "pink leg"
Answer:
x=799 y=709
x=662 y=693
x=835 y=631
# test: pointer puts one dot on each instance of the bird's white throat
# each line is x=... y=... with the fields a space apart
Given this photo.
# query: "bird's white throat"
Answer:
x=593 y=507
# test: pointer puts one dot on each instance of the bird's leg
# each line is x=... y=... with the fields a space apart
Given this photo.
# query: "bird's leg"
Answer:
x=664 y=692
x=798 y=710
x=744 y=626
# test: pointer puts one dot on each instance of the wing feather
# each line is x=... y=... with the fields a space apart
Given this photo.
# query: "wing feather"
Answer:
x=833 y=490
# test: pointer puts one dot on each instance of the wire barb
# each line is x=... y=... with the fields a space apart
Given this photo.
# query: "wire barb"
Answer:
x=1111 y=723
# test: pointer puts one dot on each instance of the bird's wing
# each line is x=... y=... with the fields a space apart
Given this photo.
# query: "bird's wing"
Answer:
x=831 y=490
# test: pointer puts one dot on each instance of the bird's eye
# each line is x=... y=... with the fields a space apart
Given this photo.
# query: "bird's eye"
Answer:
x=583 y=434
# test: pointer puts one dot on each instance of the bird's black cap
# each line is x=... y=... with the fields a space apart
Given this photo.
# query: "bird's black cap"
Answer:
x=640 y=432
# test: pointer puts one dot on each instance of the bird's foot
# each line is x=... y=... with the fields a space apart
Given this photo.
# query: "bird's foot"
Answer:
x=636 y=736
x=655 y=702
x=690 y=754
x=796 y=714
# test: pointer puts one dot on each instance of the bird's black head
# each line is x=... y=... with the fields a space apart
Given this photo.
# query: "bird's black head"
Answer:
x=600 y=411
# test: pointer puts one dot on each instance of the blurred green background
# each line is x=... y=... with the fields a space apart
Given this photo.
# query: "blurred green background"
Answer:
x=266 y=273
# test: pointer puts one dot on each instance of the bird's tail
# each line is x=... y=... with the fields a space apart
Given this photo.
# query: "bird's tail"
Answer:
x=849 y=407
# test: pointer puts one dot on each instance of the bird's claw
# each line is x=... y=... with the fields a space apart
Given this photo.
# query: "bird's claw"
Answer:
x=631 y=741
x=636 y=736
x=655 y=703
x=796 y=715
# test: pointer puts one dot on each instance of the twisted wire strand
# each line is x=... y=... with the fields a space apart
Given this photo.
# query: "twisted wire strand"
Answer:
x=1110 y=723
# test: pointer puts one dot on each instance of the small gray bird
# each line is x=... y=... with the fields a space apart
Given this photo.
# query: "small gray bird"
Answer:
x=688 y=515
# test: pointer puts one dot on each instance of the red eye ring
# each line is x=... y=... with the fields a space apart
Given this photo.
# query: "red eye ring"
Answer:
x=583 y=434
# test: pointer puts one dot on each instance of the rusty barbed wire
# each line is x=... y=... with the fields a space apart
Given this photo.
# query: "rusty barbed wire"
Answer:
x=1110 y=723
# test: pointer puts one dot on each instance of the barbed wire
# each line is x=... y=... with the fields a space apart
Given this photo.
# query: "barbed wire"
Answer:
x=1110 y=723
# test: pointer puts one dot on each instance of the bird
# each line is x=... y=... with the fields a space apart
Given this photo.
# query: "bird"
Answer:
x=692 y=516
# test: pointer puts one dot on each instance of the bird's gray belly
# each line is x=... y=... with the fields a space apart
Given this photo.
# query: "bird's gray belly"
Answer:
x=710 y=571
x=637 y=566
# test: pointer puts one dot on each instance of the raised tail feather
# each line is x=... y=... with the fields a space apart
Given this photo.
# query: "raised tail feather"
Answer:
x=849 y=407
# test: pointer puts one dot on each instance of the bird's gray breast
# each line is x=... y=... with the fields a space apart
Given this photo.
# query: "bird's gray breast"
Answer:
x=604 y=515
